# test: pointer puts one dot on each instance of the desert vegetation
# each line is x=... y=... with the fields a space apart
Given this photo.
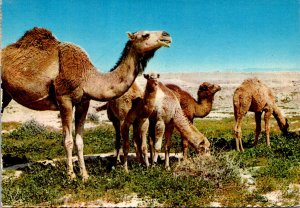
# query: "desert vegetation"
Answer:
x=228 y=178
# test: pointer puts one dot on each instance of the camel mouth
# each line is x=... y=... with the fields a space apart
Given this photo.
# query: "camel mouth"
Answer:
x=218 y=88
x=165 y=42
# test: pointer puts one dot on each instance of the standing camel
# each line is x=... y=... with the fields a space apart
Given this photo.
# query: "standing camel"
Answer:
x=163 y=110
x=117 y=111
x=253 y=95
x=194 y=108
x=41 y=73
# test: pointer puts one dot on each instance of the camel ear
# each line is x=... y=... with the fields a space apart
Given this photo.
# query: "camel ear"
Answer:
x=146 y=76
x=130 y=35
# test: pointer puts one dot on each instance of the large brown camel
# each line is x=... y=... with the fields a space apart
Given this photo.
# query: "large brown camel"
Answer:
x=159 y=111
x=253 y=95
x=195 y=108
x=41 y=73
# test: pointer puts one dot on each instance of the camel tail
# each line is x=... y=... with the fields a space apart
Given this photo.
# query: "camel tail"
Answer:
x=102 y=107
x=281 y=120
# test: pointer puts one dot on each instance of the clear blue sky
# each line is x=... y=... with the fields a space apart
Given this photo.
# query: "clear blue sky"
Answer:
x=208 y=35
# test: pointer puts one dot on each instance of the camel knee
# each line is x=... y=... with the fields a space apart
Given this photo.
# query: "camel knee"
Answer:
x=68 y=143
x=79 y=143
x=158 y=145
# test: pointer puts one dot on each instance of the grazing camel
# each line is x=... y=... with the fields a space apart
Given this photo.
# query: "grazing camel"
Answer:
x=195 y=108
x=117 y=111
x=253 y=95
x=163 y=110
x=42 y=73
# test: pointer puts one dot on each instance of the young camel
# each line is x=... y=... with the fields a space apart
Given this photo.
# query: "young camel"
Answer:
x=42 y=73
x=253 y=95
x=194 y=108
x=117 y=111
x=159 y=111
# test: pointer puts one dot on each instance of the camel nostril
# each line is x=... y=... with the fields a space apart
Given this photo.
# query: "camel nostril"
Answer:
x=164 y=33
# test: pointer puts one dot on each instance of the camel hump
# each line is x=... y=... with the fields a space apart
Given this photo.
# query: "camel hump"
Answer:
x=37 y=37
x=74 y=65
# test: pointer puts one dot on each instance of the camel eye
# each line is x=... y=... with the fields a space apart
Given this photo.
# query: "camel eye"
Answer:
x=203 y=88
x=146 y=36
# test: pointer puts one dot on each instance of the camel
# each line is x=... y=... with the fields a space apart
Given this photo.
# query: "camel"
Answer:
x=117 y=111
x=42 y=73
x=253 y=95
x=195 y=108
x=158 y=111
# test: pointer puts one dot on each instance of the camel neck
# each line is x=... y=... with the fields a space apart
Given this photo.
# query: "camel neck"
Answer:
x=203 y=107
x=149 y=101
x=116 y=82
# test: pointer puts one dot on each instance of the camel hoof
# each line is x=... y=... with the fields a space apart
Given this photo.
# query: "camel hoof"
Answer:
x=72 y=176
x=85 y=178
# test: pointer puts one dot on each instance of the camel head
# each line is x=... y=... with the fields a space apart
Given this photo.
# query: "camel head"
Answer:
x=207 y=90
x=145 y=41
x=152 y=81
x=284 y=128
x=203 y=148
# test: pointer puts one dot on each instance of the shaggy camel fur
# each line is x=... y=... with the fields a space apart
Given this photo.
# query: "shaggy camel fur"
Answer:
x=253 y=95
x=163 y=110
x=117 y=111
x=195 y=108
x=41 y=73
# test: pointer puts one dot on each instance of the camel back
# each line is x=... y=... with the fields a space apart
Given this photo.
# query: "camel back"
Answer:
x=37 y=37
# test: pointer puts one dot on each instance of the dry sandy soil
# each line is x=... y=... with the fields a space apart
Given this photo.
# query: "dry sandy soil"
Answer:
x=285 y=85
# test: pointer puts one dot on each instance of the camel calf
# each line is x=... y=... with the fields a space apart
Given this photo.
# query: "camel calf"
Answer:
x=253 y=95
x=117 y=111
x=195 y=108
x=163 y=110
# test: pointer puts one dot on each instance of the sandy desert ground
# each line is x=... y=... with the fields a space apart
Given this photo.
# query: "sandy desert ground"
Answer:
x=286 y=87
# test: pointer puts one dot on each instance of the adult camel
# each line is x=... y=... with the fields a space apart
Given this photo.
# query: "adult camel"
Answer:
x=42 y=73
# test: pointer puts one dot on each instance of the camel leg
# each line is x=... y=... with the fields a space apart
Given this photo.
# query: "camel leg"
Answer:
x=6 y=98
x=80 y=116
x=126 y=144
x=267 y=117
x=238 y=134
x=159 y=133
x=185 y=147
x=258 y=127
x=117 y=127
x=151 y=140
x=143 y=129
x=168 y=137
x=66 y=111
x=137 y=142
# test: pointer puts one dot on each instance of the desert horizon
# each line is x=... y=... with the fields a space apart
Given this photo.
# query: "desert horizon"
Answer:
x=285 y=86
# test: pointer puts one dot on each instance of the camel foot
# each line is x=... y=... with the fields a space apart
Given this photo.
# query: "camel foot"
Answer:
x=85 y=178
x=126 y=169
x=167 y=168
x=72 y=176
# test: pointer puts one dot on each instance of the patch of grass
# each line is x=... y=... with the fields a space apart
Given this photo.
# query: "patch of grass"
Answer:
x=194 y=183
x=33 y=142
x=45 y=185
x=10 y=125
